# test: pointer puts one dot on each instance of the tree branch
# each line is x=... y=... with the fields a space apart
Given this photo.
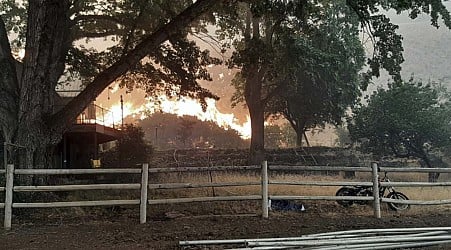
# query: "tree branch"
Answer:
x=81 y=18
x=65 y=116
x=77 y=35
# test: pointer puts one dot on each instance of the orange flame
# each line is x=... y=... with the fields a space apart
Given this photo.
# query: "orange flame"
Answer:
x=180 y=107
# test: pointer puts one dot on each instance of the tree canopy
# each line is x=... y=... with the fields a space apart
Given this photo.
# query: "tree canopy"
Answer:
x=324 y=66
x=409 y=119
x=260 y=28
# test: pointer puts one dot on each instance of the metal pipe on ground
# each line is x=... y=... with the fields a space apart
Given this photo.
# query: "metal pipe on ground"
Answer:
x=349 y=240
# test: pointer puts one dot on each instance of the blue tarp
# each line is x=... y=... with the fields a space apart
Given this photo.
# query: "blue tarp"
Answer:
x=286 y=205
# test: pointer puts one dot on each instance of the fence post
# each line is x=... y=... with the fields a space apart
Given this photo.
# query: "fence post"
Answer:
x=264 y=179
x=144 y=187
x=9 y=195
x=377 y=201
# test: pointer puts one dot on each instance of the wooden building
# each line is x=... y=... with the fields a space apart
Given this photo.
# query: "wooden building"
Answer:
x=80 y=145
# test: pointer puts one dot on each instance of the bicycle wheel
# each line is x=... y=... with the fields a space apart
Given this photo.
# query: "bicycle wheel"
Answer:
x=398 y=206
x=345 y=191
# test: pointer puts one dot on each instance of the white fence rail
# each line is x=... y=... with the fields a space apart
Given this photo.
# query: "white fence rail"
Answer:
x=144 y=186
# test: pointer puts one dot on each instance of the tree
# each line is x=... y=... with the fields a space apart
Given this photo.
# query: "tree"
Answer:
x=131 y=149
x=149 y=42
x=185 y=130
x=324 y=69
x=343 y=138
x=273 y=136
x=260 y=28
x=408 y=119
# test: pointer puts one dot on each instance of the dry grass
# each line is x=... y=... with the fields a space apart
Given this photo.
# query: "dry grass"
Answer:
x=414 y=193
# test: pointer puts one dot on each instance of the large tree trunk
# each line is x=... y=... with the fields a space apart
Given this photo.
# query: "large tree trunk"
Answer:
x=300 y=132
x=256 y=112
x=426 y=161
x=45 y=51
x=254 y=74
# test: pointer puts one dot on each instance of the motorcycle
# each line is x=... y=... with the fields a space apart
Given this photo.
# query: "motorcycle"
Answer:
x=368 y=191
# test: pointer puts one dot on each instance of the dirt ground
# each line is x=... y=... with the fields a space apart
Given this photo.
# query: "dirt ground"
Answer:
x=112 y=228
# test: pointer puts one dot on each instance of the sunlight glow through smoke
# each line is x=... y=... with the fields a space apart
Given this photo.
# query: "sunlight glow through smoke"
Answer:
x=181 y=107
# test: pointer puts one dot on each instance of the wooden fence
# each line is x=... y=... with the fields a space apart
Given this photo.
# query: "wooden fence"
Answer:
x=264 y=184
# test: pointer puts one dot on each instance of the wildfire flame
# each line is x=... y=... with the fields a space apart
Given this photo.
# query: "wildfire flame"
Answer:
x=182 y=106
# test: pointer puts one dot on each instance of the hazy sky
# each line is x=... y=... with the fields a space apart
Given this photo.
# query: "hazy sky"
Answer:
x=427 y=50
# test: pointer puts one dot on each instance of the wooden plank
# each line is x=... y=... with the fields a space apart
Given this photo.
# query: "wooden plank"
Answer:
x=377 y=201
x=331 y=198
x=2 y=205
x=76 y=203
x=200 y=169
x=264 y=188
x=417 y=170
x=318 y=168
x=415 y=184
x=2 y=189
x=417 y=202
x=131 y=186
x=322 y=183
x=2 y=171
x=205 y=199
x=201 y=185
x=78 y=171
x=144 y=187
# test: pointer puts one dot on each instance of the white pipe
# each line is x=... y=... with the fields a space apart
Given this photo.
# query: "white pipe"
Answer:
x=350 y=241
x=374 y=230
x=389 y=246
x=330 y=235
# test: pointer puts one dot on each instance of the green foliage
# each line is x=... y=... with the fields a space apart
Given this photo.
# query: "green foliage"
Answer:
x=101 y=32
x=322 y=75
x=308 y=53
x=132 y=147
x=273 y=136
x=280 y=136
x=14 y=16
x=344 y=139
x=407 y=119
